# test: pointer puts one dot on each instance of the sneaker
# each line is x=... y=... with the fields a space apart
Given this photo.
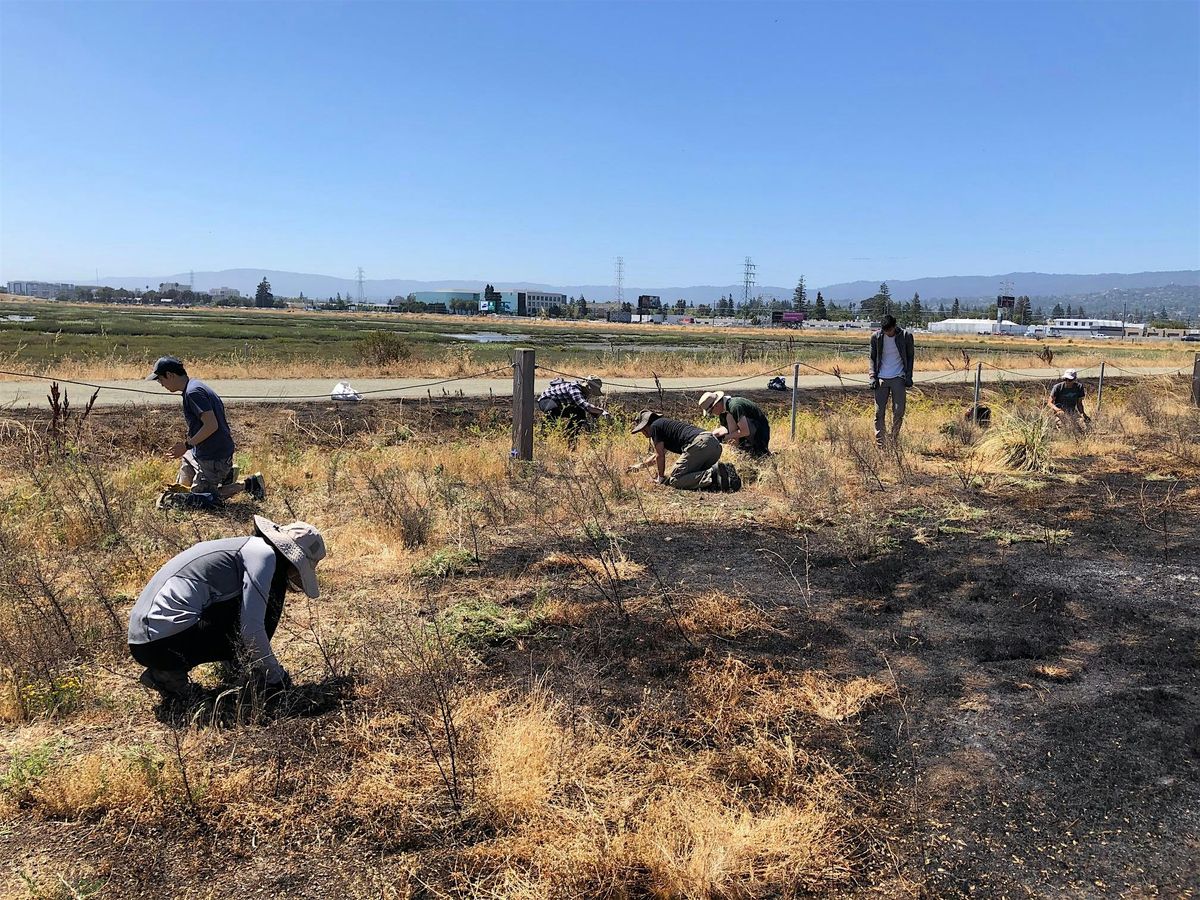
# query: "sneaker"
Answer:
x=170 y=683
x=255 y=486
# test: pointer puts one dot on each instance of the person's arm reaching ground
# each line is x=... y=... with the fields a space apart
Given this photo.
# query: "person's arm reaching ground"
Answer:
x=1050 y=401
x=259 y=558
x=660 y=459
x=739 y=429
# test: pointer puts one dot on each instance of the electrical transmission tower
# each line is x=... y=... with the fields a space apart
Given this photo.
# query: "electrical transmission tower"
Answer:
x=747 y=282
x=360 y=284
x=620 y=275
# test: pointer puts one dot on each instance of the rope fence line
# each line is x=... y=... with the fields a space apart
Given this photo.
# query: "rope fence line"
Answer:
x=1016 y=374
x=324 y=396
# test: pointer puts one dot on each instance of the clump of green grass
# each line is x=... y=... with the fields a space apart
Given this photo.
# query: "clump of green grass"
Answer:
x=445 y=563
x=26 y=769
x=485 y=622
x=1021 y=441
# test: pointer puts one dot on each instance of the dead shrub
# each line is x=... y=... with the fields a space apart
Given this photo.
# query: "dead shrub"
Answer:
x=398 y=504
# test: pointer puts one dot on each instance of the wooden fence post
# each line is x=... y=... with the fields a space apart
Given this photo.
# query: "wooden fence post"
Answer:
x=1100 y=390
x=975 y=406
x=522 y=405
x=1196 y=380
x=795 y=395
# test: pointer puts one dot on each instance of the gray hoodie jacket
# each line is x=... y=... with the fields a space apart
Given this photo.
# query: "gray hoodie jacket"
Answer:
x=211 y=572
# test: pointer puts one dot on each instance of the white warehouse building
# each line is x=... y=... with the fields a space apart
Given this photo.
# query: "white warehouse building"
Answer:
x=963 y=326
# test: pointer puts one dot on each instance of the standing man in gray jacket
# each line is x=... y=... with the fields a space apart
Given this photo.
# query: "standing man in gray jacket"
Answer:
x=220 y=601
x=891 y=374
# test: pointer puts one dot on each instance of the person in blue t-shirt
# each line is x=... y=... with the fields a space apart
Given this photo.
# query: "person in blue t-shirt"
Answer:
x=206 y=452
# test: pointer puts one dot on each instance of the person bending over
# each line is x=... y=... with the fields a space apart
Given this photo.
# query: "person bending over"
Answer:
x=744 y=423
x=206 y=452
x=220 y=601
x=570 y=402
x=698 y=450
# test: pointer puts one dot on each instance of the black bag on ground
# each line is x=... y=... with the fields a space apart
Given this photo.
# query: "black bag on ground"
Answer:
x=722 y=478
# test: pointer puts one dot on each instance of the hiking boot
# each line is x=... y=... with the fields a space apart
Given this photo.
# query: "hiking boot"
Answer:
x=256 y=487
x=172 y=684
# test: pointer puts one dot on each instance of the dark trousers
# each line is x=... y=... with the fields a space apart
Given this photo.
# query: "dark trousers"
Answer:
x=216 y=637
x=758 y=444
x=574 y=418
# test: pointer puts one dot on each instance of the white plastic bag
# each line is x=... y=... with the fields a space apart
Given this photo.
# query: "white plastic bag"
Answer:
x=343 y=391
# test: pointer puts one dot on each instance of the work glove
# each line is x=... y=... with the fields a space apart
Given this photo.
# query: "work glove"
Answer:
x=874 y=384
x=908 y=382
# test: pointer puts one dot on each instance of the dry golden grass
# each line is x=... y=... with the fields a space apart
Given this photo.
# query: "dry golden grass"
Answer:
x=717 y=613
x=713 y=781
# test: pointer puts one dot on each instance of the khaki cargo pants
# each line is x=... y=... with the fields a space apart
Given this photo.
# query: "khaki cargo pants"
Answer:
x=204 y=475
x=694 y=462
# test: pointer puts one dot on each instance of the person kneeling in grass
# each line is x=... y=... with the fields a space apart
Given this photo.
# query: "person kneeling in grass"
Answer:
x=743 y=423
x=698 y=450
x=220 y=601
x=206 y=452
x=1066 y=399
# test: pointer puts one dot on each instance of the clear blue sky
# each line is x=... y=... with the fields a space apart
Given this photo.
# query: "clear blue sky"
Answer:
x=536 y=142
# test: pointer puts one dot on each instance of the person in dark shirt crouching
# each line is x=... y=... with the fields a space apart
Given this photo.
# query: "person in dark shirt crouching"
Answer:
x=1066 y=399
x=206 y=452
x=698 y=450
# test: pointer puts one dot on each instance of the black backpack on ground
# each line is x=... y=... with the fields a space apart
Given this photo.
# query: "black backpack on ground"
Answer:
x=722 y=478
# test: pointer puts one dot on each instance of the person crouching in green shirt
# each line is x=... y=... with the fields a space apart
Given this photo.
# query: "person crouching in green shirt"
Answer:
x=745 y=424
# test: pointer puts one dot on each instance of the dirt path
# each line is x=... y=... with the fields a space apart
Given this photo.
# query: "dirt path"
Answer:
x=120 y=393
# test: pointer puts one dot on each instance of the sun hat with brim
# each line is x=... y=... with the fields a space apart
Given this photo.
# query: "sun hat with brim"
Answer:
x=300 y=543
x=593 y=385
x=645 y=417
x=709 y=399
x=1070 y=374
x=166 y=365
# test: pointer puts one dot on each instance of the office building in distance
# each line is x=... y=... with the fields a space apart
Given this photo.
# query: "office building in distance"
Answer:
x=43 y=290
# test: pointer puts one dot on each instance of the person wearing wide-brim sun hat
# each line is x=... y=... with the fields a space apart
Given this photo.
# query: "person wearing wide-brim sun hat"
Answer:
x=220 y=601
x=699 y=450
x=745 y=424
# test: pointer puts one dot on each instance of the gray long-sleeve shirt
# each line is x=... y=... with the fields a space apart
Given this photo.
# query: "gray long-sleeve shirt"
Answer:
x=212 y=572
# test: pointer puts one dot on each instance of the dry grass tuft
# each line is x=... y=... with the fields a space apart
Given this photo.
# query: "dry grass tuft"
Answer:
x=559 y=561
x=695 y=845
x=720 y=614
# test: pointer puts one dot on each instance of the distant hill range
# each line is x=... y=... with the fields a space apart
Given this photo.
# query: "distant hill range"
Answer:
x=966 y=287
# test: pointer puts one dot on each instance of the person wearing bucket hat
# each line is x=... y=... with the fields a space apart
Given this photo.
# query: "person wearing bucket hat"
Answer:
x=1066 y=399
x=699 y=450
x=570 y=402
x=744 y=423
x=220 y=601
x=206 y=453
